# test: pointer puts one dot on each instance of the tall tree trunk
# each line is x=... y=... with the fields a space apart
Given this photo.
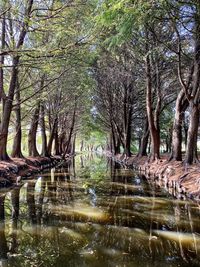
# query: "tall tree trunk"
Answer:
x=43 y=131
x=113 y=140
x=67 y=148
x=74 y=145
x=7 y=112
x=56 y=141
x=32 y=135
x=177 y=130
x=155 y=136
x=192 y=135
x=109 y=143
x=52 y=135
x=185 y=127
x=167 y=145
x=17 y=152
x=127 y=148
x=127 y=119
x=144 y=141
x=118 y=144
x=149 y=145
x=170 y=139
x=61 y=142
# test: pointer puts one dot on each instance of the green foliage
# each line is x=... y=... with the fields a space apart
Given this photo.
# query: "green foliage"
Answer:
x=124 y=18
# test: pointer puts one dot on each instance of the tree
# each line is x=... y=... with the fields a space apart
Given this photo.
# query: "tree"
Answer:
x=7 y=107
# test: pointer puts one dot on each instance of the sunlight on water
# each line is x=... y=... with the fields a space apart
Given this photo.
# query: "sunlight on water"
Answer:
x=81 y=212
x=183 y=238
x=93 y=213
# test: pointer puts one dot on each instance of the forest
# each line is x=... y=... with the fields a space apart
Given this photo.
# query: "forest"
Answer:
x=99 y=133
x=120 y=75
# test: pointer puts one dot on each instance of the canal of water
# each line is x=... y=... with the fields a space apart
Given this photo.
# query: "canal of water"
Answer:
x=92 y=213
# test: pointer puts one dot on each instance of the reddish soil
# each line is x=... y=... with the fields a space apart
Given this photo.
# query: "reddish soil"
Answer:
x=13 y=171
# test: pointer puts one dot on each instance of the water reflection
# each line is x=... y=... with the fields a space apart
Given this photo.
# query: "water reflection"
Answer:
x=93 y=213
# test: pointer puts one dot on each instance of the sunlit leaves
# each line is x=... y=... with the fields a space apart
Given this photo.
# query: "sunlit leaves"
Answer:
x=122 y=18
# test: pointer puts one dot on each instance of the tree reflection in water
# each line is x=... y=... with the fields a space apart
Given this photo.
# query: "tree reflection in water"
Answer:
x=93 y=213
x=3 y=242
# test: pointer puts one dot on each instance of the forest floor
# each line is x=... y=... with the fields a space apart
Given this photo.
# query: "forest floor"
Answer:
x=12 y=172
x=179 y=179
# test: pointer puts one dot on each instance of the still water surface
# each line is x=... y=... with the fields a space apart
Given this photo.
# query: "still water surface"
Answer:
x=93 y=213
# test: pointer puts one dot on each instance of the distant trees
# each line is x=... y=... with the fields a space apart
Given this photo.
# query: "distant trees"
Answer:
x=117 y=97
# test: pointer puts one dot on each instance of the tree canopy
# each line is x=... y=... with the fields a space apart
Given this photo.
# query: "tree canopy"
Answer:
x=121 y=75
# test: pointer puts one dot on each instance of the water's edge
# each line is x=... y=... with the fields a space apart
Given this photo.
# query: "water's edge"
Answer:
x=14 y=171
x=173 y=187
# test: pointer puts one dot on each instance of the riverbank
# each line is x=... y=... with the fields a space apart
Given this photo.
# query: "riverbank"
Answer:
x=13 y=171
x=180 y=180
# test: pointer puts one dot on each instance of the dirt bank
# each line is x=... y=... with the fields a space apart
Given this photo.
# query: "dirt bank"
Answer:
x=180 y=180
x=11 y=172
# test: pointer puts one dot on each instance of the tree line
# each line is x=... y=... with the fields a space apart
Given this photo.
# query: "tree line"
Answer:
x=148 y=76
x=125 y=69
x=43 y=76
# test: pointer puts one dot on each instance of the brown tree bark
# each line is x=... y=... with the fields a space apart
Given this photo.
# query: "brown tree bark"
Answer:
x=114 y=141
x=176 y=153
x=52 y=136
x=154 y=132
x=43 y=131
x=185 y=127
x=127 y=142
x=144 y=141
x=56 y=141
x=16 y=151
x=127 y=120
x=74 y=145
x=7 y=111
x=62 y=138
x=169 y=140
x=67 y=148
x=32 y=135
x=191 y=154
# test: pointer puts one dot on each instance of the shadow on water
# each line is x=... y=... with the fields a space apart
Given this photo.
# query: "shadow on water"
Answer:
x=92 y=212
